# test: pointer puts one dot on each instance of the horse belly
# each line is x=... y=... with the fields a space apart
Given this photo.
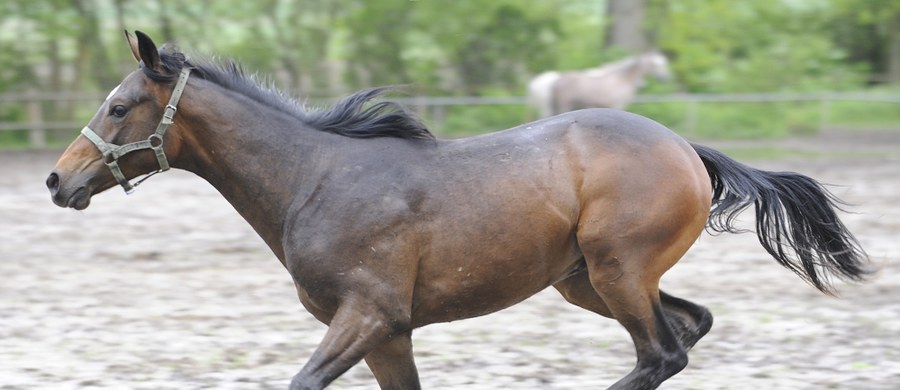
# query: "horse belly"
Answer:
x=483 y=269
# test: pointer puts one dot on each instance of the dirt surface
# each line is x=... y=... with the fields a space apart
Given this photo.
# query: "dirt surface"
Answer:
x=169 y=288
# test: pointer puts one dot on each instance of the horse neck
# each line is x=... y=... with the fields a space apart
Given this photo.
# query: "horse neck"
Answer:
x=629 y=71
x=256 y=156
x=636 y=71
x=611 y=68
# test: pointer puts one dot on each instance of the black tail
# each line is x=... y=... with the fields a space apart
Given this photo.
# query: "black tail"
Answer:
x=795 y=219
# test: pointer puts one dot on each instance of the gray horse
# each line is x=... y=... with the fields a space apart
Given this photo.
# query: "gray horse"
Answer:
x=612 y=85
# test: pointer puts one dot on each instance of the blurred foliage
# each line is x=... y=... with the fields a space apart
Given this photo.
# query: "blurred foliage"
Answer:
x=764 y=45
x=323 y=48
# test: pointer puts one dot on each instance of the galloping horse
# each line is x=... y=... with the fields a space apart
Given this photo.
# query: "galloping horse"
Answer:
x=385 y=228
x=612 y=85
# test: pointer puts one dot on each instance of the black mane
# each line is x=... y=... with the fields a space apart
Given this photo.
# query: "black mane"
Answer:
x=351 y=116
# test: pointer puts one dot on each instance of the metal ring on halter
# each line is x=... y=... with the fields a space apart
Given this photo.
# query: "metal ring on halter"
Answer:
x=155 y=140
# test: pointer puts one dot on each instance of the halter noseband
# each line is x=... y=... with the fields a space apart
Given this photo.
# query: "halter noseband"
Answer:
x=112 y=152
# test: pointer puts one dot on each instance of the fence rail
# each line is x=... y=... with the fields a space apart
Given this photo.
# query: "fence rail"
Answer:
x=435 y=107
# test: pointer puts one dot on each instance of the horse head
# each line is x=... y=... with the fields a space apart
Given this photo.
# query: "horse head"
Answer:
x=126 y=138
x=657 y=65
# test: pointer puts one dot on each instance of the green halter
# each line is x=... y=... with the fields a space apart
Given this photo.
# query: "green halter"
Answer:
x=111 y=152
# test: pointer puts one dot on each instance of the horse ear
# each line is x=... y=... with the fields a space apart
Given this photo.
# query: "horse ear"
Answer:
x=134 y=46
x=147 y=51
x=670 y=55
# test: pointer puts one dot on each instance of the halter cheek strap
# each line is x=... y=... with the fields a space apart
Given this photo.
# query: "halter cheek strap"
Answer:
x=112 y=152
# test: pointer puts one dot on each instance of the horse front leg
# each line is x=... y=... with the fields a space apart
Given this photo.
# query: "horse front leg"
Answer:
x=393 y=363
x=356 y=330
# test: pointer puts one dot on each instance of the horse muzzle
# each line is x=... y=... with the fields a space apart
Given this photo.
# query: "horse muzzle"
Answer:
x=76 y=197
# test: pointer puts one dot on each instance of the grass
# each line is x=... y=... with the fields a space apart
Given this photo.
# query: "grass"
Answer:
x=14 y=140
x=876 y=115
x=462 y=121
x=769 y=153
x=744 y=153
x=707 y=120
x=721 y=120
x=759 y=153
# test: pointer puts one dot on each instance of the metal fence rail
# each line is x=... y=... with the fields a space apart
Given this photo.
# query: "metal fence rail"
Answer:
x=435 y=107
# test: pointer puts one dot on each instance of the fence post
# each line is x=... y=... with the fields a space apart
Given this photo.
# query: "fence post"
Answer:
x=438 y=117
x=691 y=117
x=824 y=111
x=37 y=134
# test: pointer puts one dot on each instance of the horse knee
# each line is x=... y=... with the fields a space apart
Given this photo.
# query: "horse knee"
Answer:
x=577 y=290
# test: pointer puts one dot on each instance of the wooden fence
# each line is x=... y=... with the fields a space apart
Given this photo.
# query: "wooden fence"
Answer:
x=36 y=123
x=434 y=108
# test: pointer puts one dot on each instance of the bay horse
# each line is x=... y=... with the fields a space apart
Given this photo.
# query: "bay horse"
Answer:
x=613 y=85
x=385 y=228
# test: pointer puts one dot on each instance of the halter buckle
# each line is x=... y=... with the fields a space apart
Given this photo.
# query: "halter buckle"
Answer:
x=170 y=111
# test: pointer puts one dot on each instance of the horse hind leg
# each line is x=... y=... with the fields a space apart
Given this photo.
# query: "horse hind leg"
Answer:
x=689 y=321
x=635 y=302
x=624 y=271
x=577 y=290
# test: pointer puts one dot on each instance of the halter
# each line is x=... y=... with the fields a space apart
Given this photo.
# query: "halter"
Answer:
x=112 y=152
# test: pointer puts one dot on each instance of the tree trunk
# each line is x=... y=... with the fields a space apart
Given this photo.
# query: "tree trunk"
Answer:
x=165 y=22
x=91 y=50
x=892 y=54
x=60 y=108
x=625 y=29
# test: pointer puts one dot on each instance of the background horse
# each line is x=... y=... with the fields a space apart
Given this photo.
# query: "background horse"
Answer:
x=612 y=85
x=384 y=228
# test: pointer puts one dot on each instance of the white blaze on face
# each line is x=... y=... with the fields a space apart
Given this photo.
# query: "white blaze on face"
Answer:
x=113 y=92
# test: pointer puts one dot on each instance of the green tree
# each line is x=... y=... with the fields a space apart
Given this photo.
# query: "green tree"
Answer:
x=498 y=53
x=625 y=25
x=765 y=45
x=869 y=31
x=376 y=41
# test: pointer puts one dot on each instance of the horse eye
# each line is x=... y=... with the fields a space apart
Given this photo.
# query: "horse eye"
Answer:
x=118 y=110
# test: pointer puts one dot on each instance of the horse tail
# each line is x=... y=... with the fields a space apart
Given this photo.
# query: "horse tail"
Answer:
x=796 y=220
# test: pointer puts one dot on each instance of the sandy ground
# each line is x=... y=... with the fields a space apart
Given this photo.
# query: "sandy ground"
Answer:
x=169 y=288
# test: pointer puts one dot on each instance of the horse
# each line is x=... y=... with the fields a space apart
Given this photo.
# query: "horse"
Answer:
x=385 y=228
x=613 y=85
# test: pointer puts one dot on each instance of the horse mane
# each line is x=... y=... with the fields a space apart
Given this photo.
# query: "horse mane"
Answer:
x=612 y=67
x=354 y=116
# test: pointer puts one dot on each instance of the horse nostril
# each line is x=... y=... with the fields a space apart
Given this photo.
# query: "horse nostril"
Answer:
x=53 y=183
